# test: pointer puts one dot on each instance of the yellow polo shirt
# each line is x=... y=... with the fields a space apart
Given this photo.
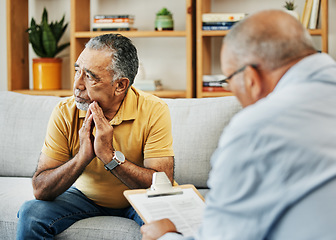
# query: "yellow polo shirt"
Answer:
x=142 y=129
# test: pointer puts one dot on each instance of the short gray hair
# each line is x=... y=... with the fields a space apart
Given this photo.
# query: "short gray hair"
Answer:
x=271 y=44
x=124 y=62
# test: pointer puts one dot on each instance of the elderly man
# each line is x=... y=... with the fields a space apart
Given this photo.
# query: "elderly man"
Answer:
x=107 y=138
x=281 y=146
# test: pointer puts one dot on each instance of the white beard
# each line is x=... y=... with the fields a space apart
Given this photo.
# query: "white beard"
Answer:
x=82 y=105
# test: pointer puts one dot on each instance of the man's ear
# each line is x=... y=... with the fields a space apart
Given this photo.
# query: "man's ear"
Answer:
x=253 y=83
x=121 y=86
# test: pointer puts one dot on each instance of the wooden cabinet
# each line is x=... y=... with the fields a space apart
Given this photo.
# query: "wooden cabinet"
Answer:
x=204 y=43
x=80 y=34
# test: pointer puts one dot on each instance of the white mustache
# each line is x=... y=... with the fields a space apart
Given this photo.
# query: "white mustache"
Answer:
x=77 y=92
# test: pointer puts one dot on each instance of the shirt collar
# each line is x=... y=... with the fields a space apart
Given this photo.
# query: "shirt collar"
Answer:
x=127 y=111
x=303 y=70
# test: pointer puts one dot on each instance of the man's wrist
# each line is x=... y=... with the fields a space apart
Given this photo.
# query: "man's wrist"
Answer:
x=107 y=158
x=117 y=159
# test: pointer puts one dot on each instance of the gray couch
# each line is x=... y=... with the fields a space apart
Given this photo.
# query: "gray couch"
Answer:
x=197 y=126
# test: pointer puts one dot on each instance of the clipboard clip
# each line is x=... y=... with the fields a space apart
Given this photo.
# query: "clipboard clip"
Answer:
x=161 y=186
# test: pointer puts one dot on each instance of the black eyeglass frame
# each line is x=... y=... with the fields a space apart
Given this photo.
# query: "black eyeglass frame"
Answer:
x=225 y=80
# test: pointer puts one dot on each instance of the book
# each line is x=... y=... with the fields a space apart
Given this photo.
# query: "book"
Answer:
x=182 y=204
x=314 y=14
x=213 y=77
x=114 y=29
x=307 y=12
x=222 y=17
x=112 y=25
x=214 y=89
x=216 y=28
x=148 y=85
x=113 y=20
x=224 y=23
x=212 y=84
x=114 y=16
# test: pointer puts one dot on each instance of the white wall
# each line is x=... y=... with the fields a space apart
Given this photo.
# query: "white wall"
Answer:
x=163 y=59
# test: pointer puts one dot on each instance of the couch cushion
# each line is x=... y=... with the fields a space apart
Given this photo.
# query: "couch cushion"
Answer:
x=103 y=228
x=196 y=126
x=22 y=131
x=15 y=191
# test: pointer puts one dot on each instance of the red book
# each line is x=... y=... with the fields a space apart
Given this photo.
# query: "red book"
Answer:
x=214 y=89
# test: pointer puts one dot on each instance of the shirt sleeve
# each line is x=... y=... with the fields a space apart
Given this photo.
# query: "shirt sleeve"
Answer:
x=56 y=141
x=160 y=141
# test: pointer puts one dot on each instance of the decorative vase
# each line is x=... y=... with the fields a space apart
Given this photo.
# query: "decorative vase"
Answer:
x=294 y=14
x=47 y=73
x=164 y=22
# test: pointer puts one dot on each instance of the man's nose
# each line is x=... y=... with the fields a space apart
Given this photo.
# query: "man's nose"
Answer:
x=79 y=80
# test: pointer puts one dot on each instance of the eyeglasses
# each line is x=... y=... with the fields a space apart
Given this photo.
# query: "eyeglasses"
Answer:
x=225 y=81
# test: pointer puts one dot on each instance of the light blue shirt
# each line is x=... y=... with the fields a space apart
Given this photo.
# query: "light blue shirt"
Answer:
x=273 y=153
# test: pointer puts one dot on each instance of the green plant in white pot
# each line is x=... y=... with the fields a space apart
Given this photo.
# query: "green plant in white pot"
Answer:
x=44 y=38
x=164 y=20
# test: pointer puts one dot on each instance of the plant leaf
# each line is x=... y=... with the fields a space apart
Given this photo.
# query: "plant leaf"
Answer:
x=48 y=40
x=61 y=47
x=58 y=29
x=45 y=37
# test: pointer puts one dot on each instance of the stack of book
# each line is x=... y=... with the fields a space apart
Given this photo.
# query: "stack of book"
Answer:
x=113 y=23
x=148 y=85
x=310 y=13
x=213 y=83
x=220 y=21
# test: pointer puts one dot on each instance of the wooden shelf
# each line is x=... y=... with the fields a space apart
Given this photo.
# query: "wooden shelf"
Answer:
x=216 y=94
x=204 y=49
x=169 y=93
x=132 y=34
x=214 y=33
x=198 y=42
x=81 y=32
x=315 y=32
x=67 y=93
x=17 y=42
x=58 y=93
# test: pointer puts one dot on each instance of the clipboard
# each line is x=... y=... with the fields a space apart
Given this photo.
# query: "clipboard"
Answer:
x=182 y=204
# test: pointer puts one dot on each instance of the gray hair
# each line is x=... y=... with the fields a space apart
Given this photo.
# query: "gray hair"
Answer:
x=271 y=43
x=124 y=62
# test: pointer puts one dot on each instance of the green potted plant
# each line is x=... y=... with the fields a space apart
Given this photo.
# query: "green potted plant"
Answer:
x=290 y=9
x=164 y=20
x=44 y=38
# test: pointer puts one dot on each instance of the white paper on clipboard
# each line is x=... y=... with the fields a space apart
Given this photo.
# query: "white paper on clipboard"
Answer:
x=185 y=209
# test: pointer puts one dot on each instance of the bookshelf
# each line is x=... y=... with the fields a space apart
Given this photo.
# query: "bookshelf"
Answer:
x=17 y=41
x=198 y=43
x=204 y=43
x=80 y=34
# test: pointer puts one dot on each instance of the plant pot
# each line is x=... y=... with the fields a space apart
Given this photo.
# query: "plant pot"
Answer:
x=47 y=73
x=294 y=14
x=164 y=22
